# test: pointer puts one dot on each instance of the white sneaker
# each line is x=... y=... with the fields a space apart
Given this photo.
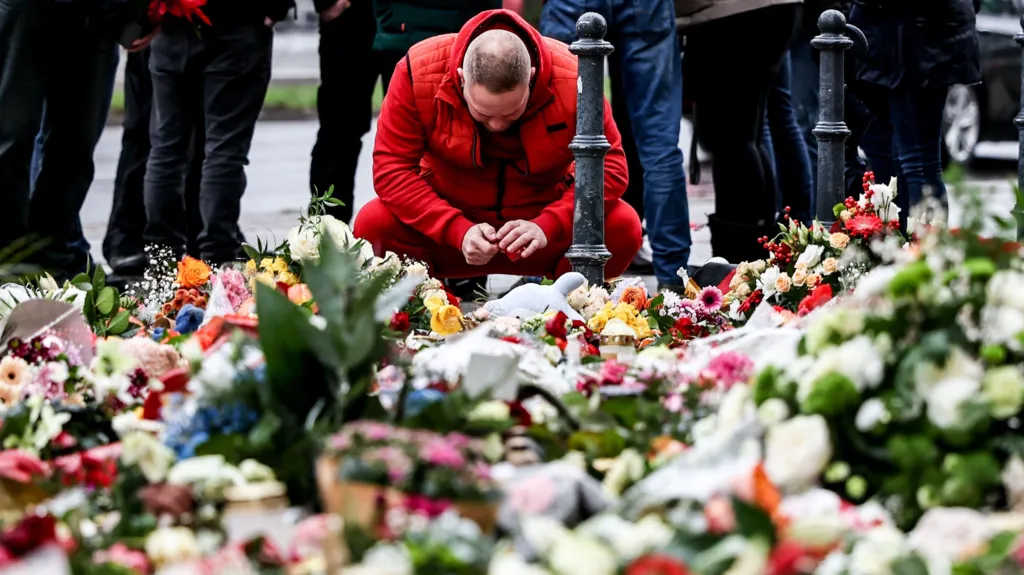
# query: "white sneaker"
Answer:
x=645 y=256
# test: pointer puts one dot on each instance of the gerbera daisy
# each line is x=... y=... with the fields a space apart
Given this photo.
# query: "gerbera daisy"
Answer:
x=864 y=226
x=710 y=298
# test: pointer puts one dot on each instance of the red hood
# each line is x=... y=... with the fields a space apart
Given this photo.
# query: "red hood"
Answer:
x=540 y=91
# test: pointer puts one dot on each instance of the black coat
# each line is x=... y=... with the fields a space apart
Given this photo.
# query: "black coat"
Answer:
x=918 y=42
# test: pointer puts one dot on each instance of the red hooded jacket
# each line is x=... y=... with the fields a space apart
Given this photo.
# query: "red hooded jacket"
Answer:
x=428 y=165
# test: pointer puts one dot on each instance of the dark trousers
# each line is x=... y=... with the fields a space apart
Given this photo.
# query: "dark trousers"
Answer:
x=23 y=64
x=785 y=142
x=78 y=90
x=644 y=35
x=124 y=237
x=730 y=89
x=221 y=77
x=349 y=69
x=79 y=247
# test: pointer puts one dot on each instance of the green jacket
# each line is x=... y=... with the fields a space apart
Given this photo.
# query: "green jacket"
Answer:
x=402 y=23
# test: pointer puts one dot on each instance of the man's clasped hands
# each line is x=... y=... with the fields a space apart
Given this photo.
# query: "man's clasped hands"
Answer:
x=518 y=239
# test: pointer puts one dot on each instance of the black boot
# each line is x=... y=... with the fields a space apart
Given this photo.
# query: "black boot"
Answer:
x=738 y=242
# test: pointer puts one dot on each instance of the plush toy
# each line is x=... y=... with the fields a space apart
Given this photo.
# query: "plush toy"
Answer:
x=538 y=298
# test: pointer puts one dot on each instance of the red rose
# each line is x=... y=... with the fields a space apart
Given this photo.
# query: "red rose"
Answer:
x=518 y=412
x=817 y=298
x=453 y=299
x=556 y=326
x=657 y=564
x=511 y=339
x=786 y=559
x=400 y=322
x=31 y=533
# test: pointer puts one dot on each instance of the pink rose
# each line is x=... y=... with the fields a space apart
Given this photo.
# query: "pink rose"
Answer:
x=121 y=554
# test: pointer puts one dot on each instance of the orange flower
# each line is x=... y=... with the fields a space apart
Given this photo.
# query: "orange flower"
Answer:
x=766 y=494
x=635 y=296
x=299 y=294
x=192 y=273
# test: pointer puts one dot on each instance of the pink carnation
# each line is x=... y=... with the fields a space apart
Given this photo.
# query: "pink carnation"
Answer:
x=121 y=554
x=440 y=452
x=728 y=369
x=234 y=285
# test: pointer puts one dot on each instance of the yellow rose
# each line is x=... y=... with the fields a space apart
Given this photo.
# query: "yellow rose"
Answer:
x=838 y=240
x=434 y=303
x=598 y=321
x=250 y=268
x=446 y=320
x=288 y=278
x=641 y=327
x=279 y=265
x=845 y=215
x=783 y=283
x=801 y=266
x=813 y=280
x=830 y=265
x=266 y=263
x=799 y=276
x=742 y=290
x=265 y=277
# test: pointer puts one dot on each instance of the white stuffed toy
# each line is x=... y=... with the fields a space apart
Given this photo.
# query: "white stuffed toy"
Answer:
x=528 y=300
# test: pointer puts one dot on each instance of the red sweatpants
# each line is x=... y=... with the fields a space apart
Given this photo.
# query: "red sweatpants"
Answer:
x=377 y=225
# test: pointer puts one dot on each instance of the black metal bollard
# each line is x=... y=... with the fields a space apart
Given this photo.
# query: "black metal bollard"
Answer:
x=588 y=253
x=1018 y=210
x=831 y=130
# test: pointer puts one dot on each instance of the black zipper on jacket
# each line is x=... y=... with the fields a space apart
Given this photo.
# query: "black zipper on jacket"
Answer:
x=502 y=165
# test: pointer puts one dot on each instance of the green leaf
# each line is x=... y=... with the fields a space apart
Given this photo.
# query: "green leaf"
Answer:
x=261 y=435
x=910 y=565
x=752 y=521
x=105 y=300
x=120 y=322
x=334 y=201
x=252 y=252
x=99 y=278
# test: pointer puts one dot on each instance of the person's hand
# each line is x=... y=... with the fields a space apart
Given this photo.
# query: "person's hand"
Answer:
x=335 y=11
x=521 y=239
x=480 y=244
x=140 y=44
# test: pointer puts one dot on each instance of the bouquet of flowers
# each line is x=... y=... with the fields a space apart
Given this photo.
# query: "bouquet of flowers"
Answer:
x=912 y=391
x=144 y=16
x=808 y=266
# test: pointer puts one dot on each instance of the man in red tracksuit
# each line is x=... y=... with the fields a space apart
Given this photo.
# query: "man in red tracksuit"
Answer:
x=472 y=166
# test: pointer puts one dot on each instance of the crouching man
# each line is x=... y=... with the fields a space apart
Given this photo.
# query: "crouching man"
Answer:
x=472 y=166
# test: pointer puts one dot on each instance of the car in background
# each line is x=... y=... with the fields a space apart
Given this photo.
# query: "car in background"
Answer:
x=976 y=115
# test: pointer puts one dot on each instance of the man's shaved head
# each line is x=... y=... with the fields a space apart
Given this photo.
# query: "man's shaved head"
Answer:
x=497 y=60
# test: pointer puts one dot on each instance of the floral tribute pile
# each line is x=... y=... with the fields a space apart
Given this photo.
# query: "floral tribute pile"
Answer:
x=852 y=405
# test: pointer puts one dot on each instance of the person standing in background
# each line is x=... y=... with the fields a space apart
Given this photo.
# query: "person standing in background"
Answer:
x=785 y=142
x=917 y=49
x=730 y=84
x=226 y=67
x=123 y=245
x=644 y=35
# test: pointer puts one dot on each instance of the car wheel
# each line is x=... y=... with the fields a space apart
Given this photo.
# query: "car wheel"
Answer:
x=961 y=125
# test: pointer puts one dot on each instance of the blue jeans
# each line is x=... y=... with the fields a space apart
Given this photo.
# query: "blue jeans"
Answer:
x=909 y=120
x=644 y=35
x=785 y=142
x=105 y=70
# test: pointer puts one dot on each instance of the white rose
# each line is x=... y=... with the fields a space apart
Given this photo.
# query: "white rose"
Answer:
x=385 y=559
x=946 y=399
x=579 y=298
x=797 y=451
x=737 y=407
x=811 y=256
x=626 y=468
x=255 y=472
x=1004 y=289
x=772 y=411
x=871 y=414
x=950 y=533
x=875 y=552
x=128 y=422
x=511 y=563
x=766 y=283
x=303 y=243
x=153 y=458
x=574 y=554
x=1003 y=388
x=171 y=545
x=343 y=239
x=388 y=263
x=490 y=411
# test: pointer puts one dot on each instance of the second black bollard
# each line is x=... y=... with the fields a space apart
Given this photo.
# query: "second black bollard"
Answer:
x=1018 y=210
x=588 y=253
x=831 y=130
